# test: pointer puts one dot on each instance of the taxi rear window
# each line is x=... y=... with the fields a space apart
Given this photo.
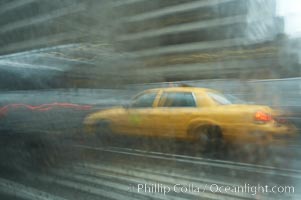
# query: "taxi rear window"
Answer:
x=219 y=98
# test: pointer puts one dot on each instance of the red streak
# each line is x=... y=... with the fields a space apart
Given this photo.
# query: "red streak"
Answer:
x=43 y=107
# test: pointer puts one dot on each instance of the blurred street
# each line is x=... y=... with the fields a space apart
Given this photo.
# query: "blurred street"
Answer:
x=45 y=157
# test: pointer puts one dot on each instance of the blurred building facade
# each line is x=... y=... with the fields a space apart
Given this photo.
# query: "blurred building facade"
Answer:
x=205 y=39
x=91 y=43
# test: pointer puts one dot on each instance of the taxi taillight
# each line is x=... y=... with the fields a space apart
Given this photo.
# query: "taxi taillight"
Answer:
x=261 y=116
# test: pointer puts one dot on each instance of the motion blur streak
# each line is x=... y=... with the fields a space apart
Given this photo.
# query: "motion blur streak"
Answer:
x=44 y=107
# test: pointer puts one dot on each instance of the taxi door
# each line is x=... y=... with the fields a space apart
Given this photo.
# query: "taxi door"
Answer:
x=140 y=116
x=175 y=109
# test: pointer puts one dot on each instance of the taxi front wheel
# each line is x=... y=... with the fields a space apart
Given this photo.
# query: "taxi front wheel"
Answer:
x=209 y=138
x=103 y=132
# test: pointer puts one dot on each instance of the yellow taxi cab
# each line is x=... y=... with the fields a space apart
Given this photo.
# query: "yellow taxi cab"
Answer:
x=194 y=114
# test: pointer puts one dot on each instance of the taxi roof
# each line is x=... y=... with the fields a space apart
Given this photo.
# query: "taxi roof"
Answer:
x=181 y=89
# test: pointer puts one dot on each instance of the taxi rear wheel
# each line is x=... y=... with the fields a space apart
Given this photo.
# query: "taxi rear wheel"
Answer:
x=209 y=138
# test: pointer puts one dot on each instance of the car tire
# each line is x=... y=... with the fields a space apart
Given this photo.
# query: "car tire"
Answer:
x=103 y=132
x=209 y=138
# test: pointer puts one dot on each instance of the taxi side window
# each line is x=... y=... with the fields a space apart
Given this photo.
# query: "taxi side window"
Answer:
x=177 y=99
x=144 y=100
